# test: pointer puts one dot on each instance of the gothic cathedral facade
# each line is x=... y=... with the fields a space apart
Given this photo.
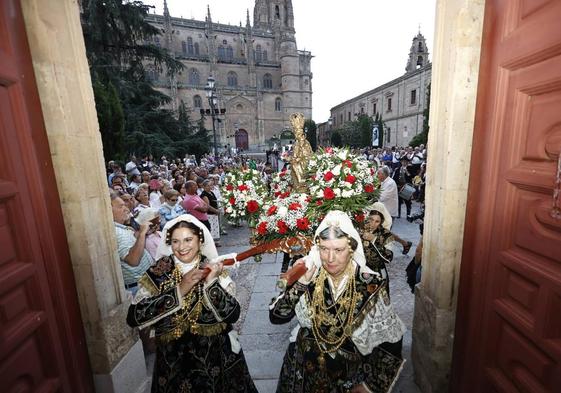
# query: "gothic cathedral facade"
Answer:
x=261 y=76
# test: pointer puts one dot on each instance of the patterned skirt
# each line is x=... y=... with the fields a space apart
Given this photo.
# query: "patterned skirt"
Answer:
x=306 y=370
x=200 y=364
x=214 y=226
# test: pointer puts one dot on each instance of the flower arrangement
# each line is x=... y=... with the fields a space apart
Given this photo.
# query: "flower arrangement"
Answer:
x=244 y=195
x=281 y=184
x=342 y=181
x=285 y=217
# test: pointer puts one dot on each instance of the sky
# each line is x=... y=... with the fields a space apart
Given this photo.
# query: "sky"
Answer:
x=357 y=44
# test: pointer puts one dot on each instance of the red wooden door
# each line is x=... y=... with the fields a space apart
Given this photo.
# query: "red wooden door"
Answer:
x=42 y=345
x=242 y=139
x=508 y=326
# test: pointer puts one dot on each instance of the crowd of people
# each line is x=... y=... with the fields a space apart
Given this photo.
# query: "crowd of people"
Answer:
x=168 y=223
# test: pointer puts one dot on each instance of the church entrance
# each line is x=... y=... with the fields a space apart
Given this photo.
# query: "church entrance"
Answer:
x=42 y=343
x=508 y=335
x=242 y=140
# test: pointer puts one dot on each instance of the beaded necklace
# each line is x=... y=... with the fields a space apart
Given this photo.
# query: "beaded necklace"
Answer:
x=339 y=326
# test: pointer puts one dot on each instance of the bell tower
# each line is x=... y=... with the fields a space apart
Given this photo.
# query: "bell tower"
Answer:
x=273 y=14
x=418 y=54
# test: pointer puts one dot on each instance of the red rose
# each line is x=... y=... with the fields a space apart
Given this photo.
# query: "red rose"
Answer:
x=368 y=188
x=252 y=206
x=348 y=163
x=328 y=176
x=319 y=202
x=232 y=201
x=303 y=224
x=284 y=194
x=294 y=206
x=277 y=193
x=350 y=179
x=282 y=174
x=308 y=198
x=262 y=228
x=272 y=210
x=329 y=150
x=283 y=228
x=243 y=187
x=371 y=171
x=229 y=187
x=359 y=217
x=328 y=193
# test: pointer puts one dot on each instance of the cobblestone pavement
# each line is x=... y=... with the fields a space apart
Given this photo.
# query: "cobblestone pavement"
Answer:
x=264 y=344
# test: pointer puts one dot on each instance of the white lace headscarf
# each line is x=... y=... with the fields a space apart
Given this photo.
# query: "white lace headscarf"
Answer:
x=208 y=249
x=380 y=207
x=343 y=222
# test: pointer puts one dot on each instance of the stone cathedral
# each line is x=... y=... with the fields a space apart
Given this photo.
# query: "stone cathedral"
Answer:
x=261 y=76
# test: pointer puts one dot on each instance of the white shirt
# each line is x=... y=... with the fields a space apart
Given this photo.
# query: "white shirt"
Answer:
x=388 y=196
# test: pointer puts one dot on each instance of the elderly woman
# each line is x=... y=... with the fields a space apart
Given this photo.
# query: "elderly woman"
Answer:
x=344 y=316
x=191 y=315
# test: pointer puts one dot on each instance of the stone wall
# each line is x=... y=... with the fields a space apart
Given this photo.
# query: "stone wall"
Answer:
x=457 y=49
x=64 y=85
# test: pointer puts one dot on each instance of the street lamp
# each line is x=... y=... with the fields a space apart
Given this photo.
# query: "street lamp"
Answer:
x=329 y=123
x=212 y=101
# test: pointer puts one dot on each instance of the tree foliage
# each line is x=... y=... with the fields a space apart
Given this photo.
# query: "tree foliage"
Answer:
x=336 y=139
x=121 y=52
x=311 y=133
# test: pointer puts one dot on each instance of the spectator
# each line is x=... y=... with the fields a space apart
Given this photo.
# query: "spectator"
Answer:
x=151 y=217
x=135 y=260
x=170 y=209
x=155 y=195
x=194 y=205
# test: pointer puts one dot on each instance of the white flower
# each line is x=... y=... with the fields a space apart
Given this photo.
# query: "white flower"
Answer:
x=337 y=170
x=347 y=193
x=337 y=192
x=342 y=154
x=282 y=211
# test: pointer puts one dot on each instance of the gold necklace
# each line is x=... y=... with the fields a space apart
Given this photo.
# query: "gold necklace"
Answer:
x=339 y=326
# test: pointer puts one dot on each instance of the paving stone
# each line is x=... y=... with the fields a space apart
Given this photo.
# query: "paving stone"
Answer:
x=265 y=284
x=266 y=385
x=262 y=301
x=264 y=364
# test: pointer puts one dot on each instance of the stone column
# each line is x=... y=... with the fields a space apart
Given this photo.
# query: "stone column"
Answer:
x=457 y=47
x=65 y=90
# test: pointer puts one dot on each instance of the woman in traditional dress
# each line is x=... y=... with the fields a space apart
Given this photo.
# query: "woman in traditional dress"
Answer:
x=192 y=315
x=376 y=237
x=344 y=315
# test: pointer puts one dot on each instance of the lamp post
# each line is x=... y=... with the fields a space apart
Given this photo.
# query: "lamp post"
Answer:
x=329 y=123
x=212 y=101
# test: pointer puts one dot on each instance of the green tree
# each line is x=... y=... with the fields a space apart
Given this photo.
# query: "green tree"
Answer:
x=311 y=133
x=423 y=137
x=336 y=139
x=121 y=53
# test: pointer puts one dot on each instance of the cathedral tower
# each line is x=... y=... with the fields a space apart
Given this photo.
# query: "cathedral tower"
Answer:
x=273 y=14
x=418 y=55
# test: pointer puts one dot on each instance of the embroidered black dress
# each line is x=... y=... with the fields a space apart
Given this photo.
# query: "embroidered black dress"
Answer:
x=191 y=357
x=305 y=369
x=376 y=253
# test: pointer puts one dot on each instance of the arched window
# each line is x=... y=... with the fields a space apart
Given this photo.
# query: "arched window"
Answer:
x=258 y=54
x=197 y=102
x=232 y=79
x=285 y=16
x=196 y=48
x=278 y=105
x=194 y=78
x=221 y=52
x=420 y=46
x=190 y=50
x=264 y=55
x=267 y=81
x=184 y=47
x=277 y=12
x=420 y=60
x=229 y=53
